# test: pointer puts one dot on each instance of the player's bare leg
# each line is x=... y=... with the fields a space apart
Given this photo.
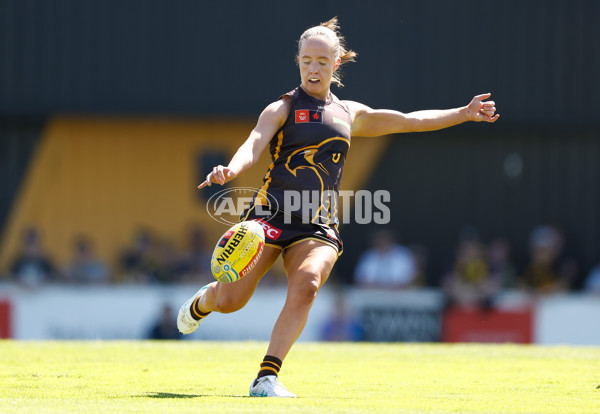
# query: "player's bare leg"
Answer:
x=231 y=297
x=307 y=265
x=223 y=297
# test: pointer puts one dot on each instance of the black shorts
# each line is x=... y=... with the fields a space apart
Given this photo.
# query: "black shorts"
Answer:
x=282 y=235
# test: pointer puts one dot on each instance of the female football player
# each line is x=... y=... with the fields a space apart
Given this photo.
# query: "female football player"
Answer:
x=308 y=132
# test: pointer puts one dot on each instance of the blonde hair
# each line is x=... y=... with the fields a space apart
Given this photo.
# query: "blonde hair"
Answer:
x=331 y=31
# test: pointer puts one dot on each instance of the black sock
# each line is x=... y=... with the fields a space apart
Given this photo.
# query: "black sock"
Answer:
x=196 y=313
x=270 y=366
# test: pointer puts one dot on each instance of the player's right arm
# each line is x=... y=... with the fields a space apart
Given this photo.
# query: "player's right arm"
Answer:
x=270 y=120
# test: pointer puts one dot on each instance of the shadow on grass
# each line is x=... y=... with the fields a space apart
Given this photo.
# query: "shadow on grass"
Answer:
x=180 y=396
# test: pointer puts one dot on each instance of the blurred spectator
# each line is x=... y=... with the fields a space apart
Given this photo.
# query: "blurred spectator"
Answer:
x=85 y=266
x=149 y=259
x=420 y=255
x=386 y=263
x=342 y=325
x=469 y=282
x=500 y=266
x=195 y=264
x=32 y=266
x=135 y=260
x=547 y=270
x=165 y=327
x=591 y=283
x=165 y=262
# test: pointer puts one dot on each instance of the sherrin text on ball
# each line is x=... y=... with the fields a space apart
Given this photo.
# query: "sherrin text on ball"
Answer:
x=238 y=251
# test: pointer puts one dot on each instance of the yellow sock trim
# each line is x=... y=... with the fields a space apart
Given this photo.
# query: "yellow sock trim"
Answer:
x=276 y=371
x=194 y=311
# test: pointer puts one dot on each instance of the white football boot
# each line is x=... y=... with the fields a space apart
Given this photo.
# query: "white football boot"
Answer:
x=185 y=322
x=269 y=386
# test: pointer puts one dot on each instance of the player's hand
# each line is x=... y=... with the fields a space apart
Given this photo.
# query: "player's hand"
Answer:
x=478 y=110
x=219 y=175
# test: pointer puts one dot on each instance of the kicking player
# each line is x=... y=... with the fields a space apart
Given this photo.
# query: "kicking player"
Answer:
x=308 y=131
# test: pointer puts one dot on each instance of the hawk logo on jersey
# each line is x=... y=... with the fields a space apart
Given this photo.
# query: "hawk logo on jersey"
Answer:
x=308 y=116
x=316 y=158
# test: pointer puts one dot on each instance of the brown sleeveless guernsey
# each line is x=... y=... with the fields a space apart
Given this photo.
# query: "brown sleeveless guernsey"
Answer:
x=308 y=154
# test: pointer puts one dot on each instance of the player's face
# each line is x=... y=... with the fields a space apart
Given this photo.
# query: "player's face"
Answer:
x=317 y=64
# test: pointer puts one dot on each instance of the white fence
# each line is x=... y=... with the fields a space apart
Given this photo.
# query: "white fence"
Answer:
x=128 y=312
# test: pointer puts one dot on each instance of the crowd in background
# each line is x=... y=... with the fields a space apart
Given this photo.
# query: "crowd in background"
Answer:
x=147 y=259
x=478 y=271
x=475 y=275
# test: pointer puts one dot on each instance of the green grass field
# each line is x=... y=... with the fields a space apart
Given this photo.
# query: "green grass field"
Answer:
x=213 y=377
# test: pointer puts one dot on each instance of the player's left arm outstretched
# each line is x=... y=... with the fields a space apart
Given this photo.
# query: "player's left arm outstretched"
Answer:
x=370 y=122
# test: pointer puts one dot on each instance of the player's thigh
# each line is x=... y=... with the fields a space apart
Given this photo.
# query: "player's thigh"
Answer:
x=242 y=290
x=309 y=261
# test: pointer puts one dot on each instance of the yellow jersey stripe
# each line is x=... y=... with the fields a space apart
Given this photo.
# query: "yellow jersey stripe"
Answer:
x=261 y=197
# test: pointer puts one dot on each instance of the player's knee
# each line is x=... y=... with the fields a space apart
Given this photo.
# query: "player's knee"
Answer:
x=306 y=291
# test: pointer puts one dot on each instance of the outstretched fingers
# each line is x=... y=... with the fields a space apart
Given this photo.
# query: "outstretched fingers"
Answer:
x=485 y=110
x=488 y=111
x=483 y=96
x=494 y=118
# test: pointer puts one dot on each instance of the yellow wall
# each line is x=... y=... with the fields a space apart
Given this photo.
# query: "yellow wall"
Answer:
x=107 y=177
